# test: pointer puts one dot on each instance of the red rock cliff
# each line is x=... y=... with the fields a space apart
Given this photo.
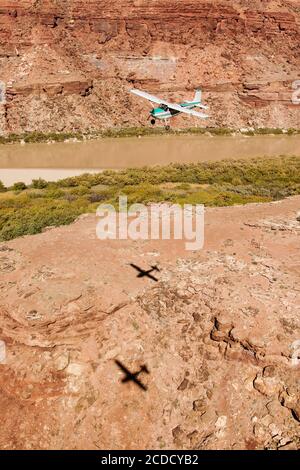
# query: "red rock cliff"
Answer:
x=68 y=65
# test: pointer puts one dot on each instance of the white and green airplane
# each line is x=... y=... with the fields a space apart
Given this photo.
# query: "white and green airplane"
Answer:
x=167 y=110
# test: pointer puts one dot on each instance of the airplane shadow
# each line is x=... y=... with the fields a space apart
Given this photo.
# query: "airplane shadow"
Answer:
x=133 y=376
x=146 y=273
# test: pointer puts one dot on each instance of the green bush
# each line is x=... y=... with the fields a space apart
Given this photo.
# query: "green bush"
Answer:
x=54 y=193
x=80 y=190
x=220 y=131
x=97 y=197
x=293 y=131
x=19 y=186
x=39 y=184
x=268 y=131
x=2 y=187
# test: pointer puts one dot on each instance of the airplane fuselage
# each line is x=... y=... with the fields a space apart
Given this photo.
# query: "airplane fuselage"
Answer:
x=163 y=112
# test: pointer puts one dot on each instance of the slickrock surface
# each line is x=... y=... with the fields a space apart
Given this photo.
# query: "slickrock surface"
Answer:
x=68 y=64
x=216 y=333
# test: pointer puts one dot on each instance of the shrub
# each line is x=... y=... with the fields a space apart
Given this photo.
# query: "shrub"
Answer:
x=70 y=197
x=80 y=190
x=54 y=193
x=268 y=131
x=292 y=131
x=19 y=186
x=220 y=131
x=97 y=197
x=39 y=184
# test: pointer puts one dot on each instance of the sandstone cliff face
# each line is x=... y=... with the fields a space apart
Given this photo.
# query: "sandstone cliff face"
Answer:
x=68 y=65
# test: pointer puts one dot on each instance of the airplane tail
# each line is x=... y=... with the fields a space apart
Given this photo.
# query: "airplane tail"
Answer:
x=155 y=268
x=198 y=99
x=198 y=96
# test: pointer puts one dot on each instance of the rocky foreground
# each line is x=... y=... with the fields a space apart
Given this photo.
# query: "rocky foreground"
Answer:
x=217 y=333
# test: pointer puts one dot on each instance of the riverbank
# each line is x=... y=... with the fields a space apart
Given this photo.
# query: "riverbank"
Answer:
x=29 y=209
x=25 y=163
x=40 y=137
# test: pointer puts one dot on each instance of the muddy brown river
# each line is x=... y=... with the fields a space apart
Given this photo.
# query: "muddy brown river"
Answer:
x=56 y=161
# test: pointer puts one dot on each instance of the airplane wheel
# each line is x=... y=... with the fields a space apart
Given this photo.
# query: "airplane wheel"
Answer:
x=167 y=128
x=152 y=122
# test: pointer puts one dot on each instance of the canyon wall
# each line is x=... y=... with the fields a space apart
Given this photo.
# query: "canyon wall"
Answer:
x=68 y=65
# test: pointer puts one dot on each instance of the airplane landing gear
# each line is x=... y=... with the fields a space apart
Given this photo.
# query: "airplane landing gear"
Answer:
x=153 y=122
x=167 y=127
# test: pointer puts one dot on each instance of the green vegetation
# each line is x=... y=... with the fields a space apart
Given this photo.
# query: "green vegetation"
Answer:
x=271 y=131
x=29 y=209
x=39 y=184
x=19 y=186
x=148 y=131
x=39 y=137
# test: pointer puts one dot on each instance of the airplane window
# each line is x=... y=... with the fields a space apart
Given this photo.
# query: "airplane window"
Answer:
x=164 y=107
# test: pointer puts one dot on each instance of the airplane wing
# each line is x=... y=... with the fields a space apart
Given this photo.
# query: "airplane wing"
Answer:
x=137 y=268
x=147 y=96
x=152 y=277
x=174 y=106
x=191 y=112
x=202 y=106
x=141 y=385
x=123 y=368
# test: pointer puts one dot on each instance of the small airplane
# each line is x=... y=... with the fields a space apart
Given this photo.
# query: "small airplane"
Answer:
x=133 y=376
x=167 y=110
x=143 y=273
